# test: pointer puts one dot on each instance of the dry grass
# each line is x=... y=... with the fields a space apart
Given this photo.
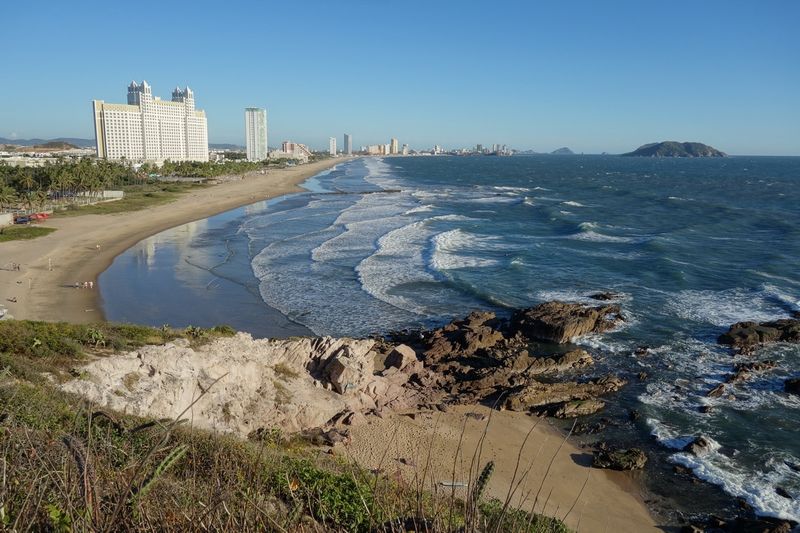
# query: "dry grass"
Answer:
x=66 y=465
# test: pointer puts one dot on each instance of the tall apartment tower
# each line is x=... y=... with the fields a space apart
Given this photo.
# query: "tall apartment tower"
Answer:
x=255 y=133
x=332 y=145
x=394 y=147
x=348 y=144
x=150 y=129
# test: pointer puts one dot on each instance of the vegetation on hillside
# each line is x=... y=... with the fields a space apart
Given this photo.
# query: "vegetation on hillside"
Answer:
x=71 y=466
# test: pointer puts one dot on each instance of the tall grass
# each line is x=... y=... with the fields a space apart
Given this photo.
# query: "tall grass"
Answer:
x=66 y=465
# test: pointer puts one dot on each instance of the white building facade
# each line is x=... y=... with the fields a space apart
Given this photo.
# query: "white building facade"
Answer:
x=332 y=146
x=255 y=131
x=150 y=129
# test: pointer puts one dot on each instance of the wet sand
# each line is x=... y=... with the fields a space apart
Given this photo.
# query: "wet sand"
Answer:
x=84 y=246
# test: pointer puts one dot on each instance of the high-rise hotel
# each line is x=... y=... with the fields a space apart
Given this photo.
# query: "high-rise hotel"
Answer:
x=255 y=132
x=148 y=128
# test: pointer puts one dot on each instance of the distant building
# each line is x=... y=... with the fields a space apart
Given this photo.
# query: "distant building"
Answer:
x=348 y=144
x=394 y=147
x=292 y=150
x=332 y=145
x=405 y=149
x=255 y=132
x=150 y=129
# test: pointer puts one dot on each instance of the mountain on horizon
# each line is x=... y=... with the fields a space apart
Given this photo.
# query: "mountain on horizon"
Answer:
x=675 y=149
x=76 y=141
x=563 y=151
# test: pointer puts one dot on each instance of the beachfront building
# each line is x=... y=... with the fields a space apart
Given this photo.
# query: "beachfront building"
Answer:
x=332 y=146
x=348 y=144
x=394 y=147
x=255 y=132
x=292 y=150
x=150 y=129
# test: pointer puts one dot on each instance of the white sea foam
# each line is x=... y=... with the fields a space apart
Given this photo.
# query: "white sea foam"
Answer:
x=573 y=203
x=540 y=189
x=420 y=209
x=757 y=488
x=459 y=249
x=511 y=189
x=723 y=308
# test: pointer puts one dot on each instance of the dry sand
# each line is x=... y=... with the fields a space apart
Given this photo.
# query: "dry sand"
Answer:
x=430 y=442
x=44 y=290
x=51 y=265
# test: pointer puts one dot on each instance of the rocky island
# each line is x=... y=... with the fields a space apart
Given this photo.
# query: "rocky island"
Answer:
x=675 y=149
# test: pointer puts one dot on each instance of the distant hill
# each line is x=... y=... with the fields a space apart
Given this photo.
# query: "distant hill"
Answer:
x=675 y=149
x=75 y=141
x=55 y=145
x=563 y=151
x=223 y=146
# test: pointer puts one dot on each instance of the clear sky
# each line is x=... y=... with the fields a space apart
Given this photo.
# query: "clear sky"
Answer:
x=595 y=76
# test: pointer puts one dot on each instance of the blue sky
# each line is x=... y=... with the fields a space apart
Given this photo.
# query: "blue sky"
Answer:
x=594 y=76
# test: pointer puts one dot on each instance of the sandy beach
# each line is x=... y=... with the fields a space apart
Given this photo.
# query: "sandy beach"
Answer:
x=84 y=246
x=429 y=448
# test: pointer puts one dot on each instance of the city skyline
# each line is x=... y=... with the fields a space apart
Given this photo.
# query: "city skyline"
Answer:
x=579 y=75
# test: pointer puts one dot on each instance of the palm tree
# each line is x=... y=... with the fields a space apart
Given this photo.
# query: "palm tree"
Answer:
x=8 y=196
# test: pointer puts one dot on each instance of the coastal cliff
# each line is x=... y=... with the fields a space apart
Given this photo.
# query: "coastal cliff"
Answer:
x=675 y=149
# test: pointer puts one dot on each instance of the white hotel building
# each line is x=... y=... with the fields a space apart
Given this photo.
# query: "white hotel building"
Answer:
x=151 y=129
x=255 y=132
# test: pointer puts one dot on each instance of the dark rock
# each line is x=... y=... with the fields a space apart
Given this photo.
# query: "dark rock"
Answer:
x=699 y=446
x=759 y=525
x=793 y=466
x=682 y=470
x=717 y=391
x=537 y=394
x=706 y=409
x=751 y=334
x=578 y=408
x=692 y=528
x=792 y=386
x=780 y=491
x=634 y=415
x=559 y=321
x=604 y=296
x=642 y=376
x=321 y=437
x=641 y=350
x=631 y=459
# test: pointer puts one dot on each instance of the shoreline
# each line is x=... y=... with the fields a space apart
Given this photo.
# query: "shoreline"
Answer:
x=44 y=294
x=44 y=288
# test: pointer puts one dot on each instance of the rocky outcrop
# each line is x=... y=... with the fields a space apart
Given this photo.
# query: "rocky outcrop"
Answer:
x=560 y=322
x=745 y=335
x=630 y=459
x=246 y=386
x=539 y=395
x=239 y=384
x=792 y=386
x=478 y=331
x=698 y=446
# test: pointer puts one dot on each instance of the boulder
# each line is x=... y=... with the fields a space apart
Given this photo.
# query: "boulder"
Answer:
x=699 y=446
x=631 y=459
x=401 y=357
x=536 y=394
x=560 y=322
x=578 y=408
x=745 y=335
x=792 y=386
x=348 y=372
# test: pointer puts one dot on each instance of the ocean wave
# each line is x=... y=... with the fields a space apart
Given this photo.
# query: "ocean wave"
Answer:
x=723 y=308
x=420 y=209
x=573 y=203
x=757 y=488
x=511 y=189
x=456 y=249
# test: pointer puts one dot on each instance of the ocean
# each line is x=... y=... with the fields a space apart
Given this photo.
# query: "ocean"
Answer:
x=689 y=246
